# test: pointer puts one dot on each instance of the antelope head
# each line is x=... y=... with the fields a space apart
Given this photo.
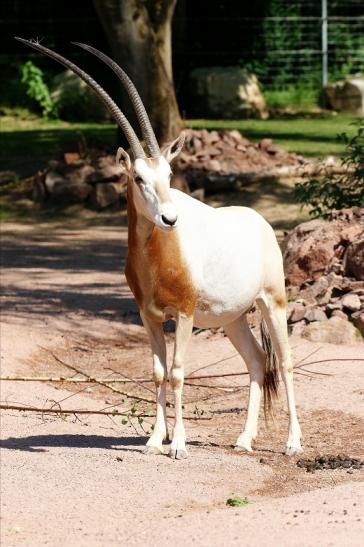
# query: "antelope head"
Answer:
x=149 y=173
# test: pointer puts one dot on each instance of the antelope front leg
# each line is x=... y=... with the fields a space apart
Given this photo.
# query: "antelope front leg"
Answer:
x=183 y=335
x=157 y=342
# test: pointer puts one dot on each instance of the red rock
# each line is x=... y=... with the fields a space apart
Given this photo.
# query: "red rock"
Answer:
x=351 y=302
x=315 y=314
x=297 y=313
x=355 y=260
x=317 y=247
x=339 y=313
x=334 y=330
x=265 y=144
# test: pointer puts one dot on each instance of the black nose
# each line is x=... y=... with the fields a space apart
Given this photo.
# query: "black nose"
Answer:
x=170 y=222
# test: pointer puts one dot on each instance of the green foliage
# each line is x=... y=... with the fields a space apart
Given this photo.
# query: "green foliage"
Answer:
x=337 y=191
x=74 y=100
x=294 y=96
x=236 y=501
x=36 y=88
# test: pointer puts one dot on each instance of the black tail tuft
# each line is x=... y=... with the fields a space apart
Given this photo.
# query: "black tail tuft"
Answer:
x=271 y=378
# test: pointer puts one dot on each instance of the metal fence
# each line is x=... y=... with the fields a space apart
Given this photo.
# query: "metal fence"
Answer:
x=289 y=44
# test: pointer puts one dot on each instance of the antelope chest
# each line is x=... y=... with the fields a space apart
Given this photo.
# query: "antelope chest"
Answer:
x=159 y=278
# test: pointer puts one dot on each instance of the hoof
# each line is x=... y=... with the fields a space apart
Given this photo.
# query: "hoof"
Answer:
x=178 y=454
x=241 y=448
x=153 y=450
x=293 y=450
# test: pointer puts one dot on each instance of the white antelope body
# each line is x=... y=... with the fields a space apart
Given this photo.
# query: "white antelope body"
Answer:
x=201 y=266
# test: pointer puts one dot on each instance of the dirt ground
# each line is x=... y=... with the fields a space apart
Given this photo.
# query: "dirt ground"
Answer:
x=73 y=479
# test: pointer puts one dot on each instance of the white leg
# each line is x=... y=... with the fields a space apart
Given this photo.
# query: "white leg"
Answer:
x=183 y=335
x=157 y=342
x=275 y=317
x=243 y=340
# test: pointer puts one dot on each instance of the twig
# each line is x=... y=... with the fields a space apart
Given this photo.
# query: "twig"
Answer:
x=83 y=411
x=225 y=388
x=101 y=383
x=329 y=361
x=136 y=382
x=215 y=363
x=89 y=379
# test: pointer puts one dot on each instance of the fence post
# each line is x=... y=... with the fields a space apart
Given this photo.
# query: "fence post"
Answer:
x=324 y=44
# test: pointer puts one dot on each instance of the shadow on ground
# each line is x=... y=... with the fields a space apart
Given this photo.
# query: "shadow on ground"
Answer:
x=68 y=272
x=40 y=443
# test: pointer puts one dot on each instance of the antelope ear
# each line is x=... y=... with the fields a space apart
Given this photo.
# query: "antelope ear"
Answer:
x=170 y=151
x=124 y=158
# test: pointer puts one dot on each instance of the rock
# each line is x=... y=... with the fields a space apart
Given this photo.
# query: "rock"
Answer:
x=68 y=193
x=298 y=327
x=52 y=178
x=104 y=194
x=346 y=95
x=320 y=286
x=111 y=173
x=297 y=313
x=334 y=280
x=319 y=291
x=226 y=92
x=354 y=265
x=308 y=249
x=339 y=313
x=315 y=314
x=79 y=174
x=351 y=301
x=336 y=305
x=38 y=189
x=358 y=320
x=334 y=331
x=318 y=247
x=352 y=285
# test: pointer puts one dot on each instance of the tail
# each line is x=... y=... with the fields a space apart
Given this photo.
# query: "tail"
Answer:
x=271 y=378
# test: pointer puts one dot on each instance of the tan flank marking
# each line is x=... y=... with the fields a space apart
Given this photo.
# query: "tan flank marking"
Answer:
x=156 y=271
x=279 y=298
x=131 y=262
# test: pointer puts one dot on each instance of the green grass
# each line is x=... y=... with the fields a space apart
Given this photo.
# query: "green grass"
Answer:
x=28 y=142
x=303 y=98
x=313 y=135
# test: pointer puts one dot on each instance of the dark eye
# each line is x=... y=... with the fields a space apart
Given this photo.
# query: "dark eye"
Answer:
x=138 y=179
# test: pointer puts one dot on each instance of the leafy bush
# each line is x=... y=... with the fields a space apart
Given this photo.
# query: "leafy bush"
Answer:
x=36 y=88
x=74 y=100
x=337 y=191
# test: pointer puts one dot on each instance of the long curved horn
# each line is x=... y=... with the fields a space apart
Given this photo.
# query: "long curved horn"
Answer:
x=100 y=92
x=139 y=108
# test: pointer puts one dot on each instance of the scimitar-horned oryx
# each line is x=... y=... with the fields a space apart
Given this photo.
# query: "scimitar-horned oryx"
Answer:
x=200 y=266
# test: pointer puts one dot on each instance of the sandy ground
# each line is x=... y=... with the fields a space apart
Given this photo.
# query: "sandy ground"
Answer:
x=83 y=480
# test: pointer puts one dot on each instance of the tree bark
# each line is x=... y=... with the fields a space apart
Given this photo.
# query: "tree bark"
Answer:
x=139 y=34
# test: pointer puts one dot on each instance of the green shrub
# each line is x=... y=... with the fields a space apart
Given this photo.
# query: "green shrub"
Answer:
x=36 y=88
x=337 y=191
x=74 y=100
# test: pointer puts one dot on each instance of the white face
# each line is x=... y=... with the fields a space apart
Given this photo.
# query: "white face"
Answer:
x=152 y=196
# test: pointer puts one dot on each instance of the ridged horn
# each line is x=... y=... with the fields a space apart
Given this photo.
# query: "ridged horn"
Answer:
x=114 y=110
x=134 y=96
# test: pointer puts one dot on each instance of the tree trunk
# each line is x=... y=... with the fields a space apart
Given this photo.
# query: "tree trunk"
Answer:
x=139 y=34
